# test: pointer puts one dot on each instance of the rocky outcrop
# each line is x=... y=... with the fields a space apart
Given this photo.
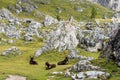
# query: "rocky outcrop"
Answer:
x=84 y=64
x=63 y=37
x=112 y=47
x=5 y=13
x=93 y=38
x=84 y=69
x=111 y=4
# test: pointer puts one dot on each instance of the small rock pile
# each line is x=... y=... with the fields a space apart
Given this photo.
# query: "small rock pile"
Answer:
x=12 y=51
x=85 y=70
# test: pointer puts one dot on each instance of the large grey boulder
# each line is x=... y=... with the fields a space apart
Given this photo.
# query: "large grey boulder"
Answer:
x=5 y=13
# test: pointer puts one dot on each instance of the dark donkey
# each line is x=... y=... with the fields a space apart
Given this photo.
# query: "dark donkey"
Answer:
x=32 y=61
x=63 y=62
x=49 y=66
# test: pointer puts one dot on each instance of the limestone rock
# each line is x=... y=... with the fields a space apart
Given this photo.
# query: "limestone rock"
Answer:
x=5 y=13
x=15 y=77
x=93 y=75
x=63 y=37
x=12 y=51
x=49 y=20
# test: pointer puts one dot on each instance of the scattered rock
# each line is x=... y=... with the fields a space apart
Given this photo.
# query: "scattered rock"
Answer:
x=112 y=48
x=57 y=73
x=63 y=37
x=15 y=77
x=12 y=51
x=84 y=65
x=49 y=20
x=93 y=75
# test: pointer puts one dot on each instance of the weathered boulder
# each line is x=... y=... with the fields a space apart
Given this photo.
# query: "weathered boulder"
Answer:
x=13 y=51
x=5 y=13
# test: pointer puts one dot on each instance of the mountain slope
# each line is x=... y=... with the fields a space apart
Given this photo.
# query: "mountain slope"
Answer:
x=79 y=9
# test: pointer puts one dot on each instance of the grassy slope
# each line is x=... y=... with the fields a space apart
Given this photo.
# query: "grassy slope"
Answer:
x=68 y=9
x=20 y=64
x=5 y=3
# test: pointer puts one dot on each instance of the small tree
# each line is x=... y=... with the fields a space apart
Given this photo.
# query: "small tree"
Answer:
x=58 y=18
x=93 y=12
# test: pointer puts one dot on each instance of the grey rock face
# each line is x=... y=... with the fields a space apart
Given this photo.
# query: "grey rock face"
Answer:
x=32 y=30
x=62 y=38
x=111 y=4
x=6 y=14
x=92 y=38
x=112 y=48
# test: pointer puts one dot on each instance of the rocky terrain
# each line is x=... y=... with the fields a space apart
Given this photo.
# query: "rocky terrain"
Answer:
x=110 y=4
x=50 y=30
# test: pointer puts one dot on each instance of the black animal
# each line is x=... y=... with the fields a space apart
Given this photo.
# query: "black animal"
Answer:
x=32 y=61
x=49 y=66
x=63 y=62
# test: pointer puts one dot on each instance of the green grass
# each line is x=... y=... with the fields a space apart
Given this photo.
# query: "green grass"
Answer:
x=67 y=7
x=6 y=3
x=19 y=65
x=89 y=54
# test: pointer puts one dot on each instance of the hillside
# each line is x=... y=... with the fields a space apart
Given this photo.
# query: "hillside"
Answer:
x=34 y=32
x=79 y=9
